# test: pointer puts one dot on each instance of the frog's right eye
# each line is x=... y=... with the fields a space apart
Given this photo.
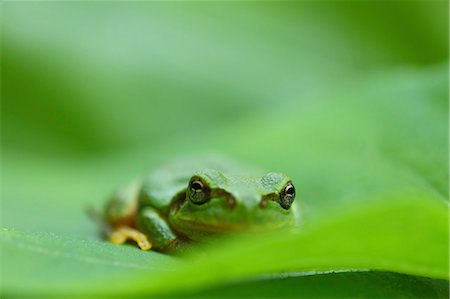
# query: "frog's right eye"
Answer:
x=199 y=193
x=287 y=196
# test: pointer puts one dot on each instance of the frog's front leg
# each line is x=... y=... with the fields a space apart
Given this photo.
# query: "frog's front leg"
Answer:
x=121 y=234
x=157 y=229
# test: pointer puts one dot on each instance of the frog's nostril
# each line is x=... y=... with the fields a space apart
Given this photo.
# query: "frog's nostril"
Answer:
x=231 y=202
x=266 y=198
x=263 y=202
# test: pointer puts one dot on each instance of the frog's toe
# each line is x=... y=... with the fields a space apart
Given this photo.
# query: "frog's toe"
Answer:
x=144 y=244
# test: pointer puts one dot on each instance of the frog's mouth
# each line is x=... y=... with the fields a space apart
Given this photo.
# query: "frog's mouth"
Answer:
x=203 y=232
x=200 y=230
x=229 y=227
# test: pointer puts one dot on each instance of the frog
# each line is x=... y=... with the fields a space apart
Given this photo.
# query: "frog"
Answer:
x=195 y=200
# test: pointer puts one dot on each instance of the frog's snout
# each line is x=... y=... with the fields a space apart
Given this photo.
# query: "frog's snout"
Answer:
x=248 y=203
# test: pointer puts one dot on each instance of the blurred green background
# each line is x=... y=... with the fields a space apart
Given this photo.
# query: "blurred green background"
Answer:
x=349 y=98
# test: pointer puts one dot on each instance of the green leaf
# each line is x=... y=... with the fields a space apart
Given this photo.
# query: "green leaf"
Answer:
x=365 y=238
x=350 y=100
x=43 y=262
x=380 y=215
x=330 y=285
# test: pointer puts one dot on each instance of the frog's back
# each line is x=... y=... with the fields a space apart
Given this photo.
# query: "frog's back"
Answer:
x=164 y=183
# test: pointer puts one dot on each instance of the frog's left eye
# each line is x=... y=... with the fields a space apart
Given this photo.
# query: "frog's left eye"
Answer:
x=287 y=196
x=199 y=193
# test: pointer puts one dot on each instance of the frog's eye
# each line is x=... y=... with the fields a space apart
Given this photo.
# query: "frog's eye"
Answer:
x=287 y=196
x=199 y=192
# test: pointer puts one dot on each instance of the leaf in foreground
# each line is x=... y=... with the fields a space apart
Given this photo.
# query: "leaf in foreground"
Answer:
x=362 y=238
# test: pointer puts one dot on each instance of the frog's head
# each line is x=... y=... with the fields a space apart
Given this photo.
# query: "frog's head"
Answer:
x=215 y=203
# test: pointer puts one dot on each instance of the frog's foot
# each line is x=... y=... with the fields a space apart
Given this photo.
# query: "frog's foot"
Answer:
x=121 y=234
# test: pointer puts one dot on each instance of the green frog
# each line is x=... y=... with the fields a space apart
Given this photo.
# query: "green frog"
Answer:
x=193 y=200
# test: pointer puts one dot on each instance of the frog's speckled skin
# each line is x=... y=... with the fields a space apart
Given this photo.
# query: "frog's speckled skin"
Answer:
x=161 y=208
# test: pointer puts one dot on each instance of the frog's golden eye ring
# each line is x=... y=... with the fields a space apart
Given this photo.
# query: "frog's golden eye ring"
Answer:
x=287 y=196
x=198 y=191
